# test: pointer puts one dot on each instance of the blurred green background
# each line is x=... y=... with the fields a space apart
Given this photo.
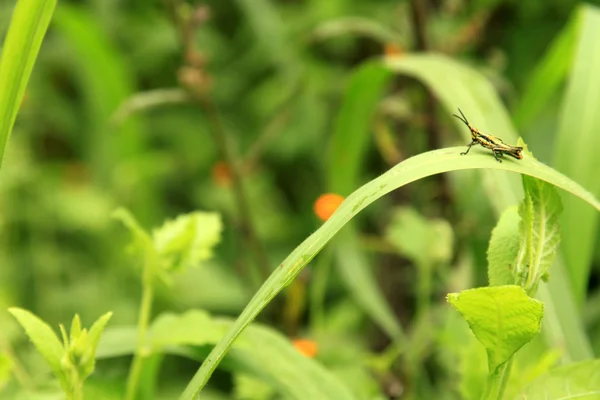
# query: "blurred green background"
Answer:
x=104 y=124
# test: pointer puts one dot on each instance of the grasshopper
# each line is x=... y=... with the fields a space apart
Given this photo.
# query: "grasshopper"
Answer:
x=498 y=147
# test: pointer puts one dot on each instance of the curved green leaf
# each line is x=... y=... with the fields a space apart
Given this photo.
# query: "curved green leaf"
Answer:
x=412 y=169
x=28 y=26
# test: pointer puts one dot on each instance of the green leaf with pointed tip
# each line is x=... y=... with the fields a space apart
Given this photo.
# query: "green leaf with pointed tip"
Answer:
x=28 y=26
x=410 y=170
x=539 y=232
x=75 y=328
x=503 y=318
x=92 y=344
x=503 y=249
x=579 y=381
x=44 y=340
x=188 y=239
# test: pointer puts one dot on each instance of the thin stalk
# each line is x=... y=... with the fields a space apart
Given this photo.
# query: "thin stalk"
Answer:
x=496 y=382
x=143 y=322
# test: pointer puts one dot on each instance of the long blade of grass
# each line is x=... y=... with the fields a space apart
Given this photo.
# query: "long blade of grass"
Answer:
x=27 y=29
x=576 y=150
x=549 y=74
x=410 y=170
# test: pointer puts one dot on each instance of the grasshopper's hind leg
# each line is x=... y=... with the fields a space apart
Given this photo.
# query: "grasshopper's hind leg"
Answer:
x=468 y=148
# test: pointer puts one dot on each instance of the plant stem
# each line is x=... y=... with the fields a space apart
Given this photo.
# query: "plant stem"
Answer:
x=144 y=319
x=496 y=382
x=77 y=393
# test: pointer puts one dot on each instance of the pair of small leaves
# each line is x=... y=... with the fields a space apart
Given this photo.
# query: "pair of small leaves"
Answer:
x=71 y=361
x=183 y=242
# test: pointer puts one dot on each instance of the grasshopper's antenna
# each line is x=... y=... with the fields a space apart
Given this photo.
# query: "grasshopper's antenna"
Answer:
x=463 y=119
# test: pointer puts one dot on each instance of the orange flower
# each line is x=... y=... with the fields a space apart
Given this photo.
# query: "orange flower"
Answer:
x=221 y=174
x=326 y=205
x=306 y=347
x=392 y=49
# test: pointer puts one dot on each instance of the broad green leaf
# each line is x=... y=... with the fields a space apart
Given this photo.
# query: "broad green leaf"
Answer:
x=539 y=231
x=349 y=146
x=28 y=26
x=577 y=146
x=410 y=170
x=579 y=381
x=474 y=94
x=189 y=239
x=503 y=249
x=503 y=318
x=260 y=351
x=44 y=340
x=424 y=241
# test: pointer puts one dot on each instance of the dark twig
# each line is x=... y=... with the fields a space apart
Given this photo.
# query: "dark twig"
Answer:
x=193 y=77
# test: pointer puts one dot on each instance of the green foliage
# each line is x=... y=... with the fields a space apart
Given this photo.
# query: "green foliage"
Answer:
x=503 y=318
x=147 y=104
